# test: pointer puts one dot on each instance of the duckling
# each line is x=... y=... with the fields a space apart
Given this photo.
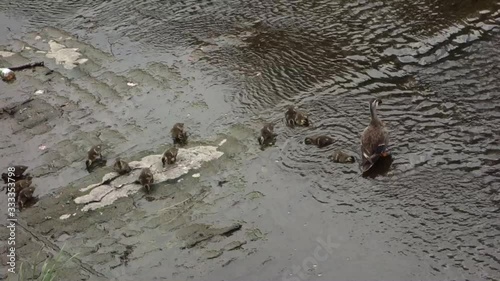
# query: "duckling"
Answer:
x=146 y=179
x=320 y=141
x=179 y=135
x=169 y=156
x=18 y=174
x=339 y=156
x=22 y=184
x=93 y=155
x=121 y=167
x=295 y=117
x=374 y=139
x=25 y=195
x=267 y=135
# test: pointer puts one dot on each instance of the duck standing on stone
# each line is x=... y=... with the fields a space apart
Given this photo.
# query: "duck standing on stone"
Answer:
x=339 y=156
x=374 y=139
x=295 y=117
x=267 y=135
x=93 y=155
x=179 y=135
x=146 y=179
x=319 y=141
x=169 y=156
x=121 y=167
x=16 y=175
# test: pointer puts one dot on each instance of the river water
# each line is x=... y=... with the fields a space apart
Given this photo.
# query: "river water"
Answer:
x=230 y=65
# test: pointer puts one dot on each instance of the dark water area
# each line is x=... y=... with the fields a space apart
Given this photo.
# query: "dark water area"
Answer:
x=435 y=64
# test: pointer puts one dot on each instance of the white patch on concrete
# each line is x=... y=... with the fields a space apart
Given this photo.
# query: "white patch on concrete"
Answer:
x=197 y=175
x=65 y=216
x=39 y=92
x=6 y=54
x=130 y=84
x=114 y=186
x=68 y=57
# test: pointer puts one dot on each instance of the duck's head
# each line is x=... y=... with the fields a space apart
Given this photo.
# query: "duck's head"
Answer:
x=309 y=140
x=374 y=103
x=304 y=121
x=261 y=140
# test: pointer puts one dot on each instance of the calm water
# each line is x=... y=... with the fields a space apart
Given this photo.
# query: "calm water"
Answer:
x=435 y=65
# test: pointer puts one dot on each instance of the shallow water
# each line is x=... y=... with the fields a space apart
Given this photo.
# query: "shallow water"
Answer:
x=224 y=67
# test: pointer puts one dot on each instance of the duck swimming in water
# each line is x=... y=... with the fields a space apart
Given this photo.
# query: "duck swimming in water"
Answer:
x=319 y=141
x=267 y=135
x=374 y=139
x=169 y=156
x=339 y=156
x=146 y=179
x=295 y=117
x=179 y=135
x=121 y=167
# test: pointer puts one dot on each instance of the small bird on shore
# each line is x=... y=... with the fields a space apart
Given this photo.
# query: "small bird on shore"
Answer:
x=146 y=179
x=25 y=195
x=339 y=156
x=179 y=134
x=319 y=141
x=121 y=167
x=22 y=184
x=374 y=139
x=267 y=135
x=16 y=174
x=295 y=117
x=93 y=155
x=169 y=156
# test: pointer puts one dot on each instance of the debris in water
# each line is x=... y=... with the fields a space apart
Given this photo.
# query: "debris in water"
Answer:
x=131 y=84
x=222 y=142
x=65 y=216
x=197 y=175
x=7 y=74
x=65 y=56
x=39 y=92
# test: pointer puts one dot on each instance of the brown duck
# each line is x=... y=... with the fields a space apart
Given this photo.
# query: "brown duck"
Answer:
x=25 y=195
x=22 y=184
x=179 y=135
x=267 y=135
x=93 y=155
x=374 y=139
x=16 y=175
x=121 y=167
x=146 y=179
x=169 y=156
x=319 y=141
x=339 y=156
x=295 y=117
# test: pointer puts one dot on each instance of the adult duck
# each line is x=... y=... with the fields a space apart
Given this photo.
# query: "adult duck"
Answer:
x=374 y=139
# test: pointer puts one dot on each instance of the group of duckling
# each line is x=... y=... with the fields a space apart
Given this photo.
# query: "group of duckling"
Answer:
x=22 y=185
x=374 y=144
x=374 y=138
x=146 y=179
